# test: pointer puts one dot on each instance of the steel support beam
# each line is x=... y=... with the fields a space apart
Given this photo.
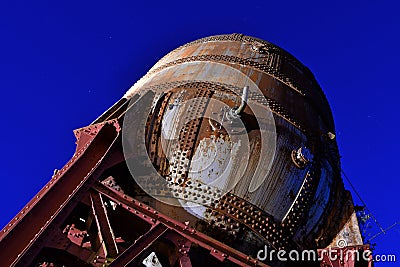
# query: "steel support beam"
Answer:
x=141 y=244
x=23 y=238
x=184 y=261
x=106 y=234
x=217 y=249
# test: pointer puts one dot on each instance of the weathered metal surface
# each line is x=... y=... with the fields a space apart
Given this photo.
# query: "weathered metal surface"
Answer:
x=348 y=235
x=301 y=118
x=229 y=135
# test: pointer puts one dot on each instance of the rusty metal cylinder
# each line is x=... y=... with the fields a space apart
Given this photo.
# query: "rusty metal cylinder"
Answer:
x=234 y=133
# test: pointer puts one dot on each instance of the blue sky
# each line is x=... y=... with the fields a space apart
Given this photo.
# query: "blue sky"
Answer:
x=63 y=64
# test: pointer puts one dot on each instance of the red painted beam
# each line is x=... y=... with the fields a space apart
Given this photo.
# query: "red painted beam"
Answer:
x=28 y=225
x=217 y=249
x=131 y=253
x=106 y=233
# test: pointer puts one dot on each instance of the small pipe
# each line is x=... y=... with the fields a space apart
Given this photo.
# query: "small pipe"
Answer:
x=245 y=95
